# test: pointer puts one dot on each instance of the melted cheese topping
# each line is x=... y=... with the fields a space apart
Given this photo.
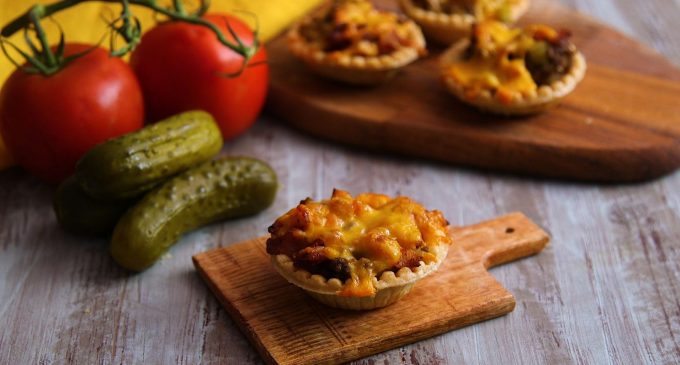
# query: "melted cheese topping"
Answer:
x=355 y=27
x=498 y=62
x=373 y=233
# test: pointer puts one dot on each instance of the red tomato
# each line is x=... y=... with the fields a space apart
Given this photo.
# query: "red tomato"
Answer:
x=182 y=67
x=49 y=122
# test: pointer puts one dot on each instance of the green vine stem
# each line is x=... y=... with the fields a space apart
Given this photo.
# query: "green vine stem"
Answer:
x=129 y=29
x=40 y=33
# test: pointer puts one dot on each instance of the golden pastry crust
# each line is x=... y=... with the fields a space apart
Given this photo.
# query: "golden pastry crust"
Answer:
x=390 y=287
x=444 y=28
x=358 y=253
x=514 y=103
x=350 y=65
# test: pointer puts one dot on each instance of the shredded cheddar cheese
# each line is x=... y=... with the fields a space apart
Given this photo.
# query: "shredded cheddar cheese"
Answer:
x=497 y=59
x=369 y=234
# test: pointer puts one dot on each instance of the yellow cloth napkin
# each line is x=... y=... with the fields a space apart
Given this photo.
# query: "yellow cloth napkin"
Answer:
x=83 y=23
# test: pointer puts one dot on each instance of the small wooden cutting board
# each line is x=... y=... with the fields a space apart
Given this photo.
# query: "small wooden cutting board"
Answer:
x=289 y=327
x=622 y=123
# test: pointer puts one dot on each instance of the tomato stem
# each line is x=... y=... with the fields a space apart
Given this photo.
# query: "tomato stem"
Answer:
x=36 y=13
x=127 y=27
x=179 y=7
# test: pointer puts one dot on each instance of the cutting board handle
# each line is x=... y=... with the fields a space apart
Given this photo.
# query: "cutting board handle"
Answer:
x=501 y=240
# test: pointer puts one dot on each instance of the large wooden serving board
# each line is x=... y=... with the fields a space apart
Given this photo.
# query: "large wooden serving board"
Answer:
x=289 y=327
x=621 y=124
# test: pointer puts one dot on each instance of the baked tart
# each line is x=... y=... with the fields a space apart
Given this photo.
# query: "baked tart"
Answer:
x=447 y=21
x=358 y=253
x=355 y=43
x=512 y=71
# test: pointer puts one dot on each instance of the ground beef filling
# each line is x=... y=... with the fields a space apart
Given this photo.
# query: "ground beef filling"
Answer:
x=310 y=257
x=549 y=60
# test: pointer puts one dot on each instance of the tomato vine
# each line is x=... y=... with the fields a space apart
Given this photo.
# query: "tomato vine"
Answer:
x=43 y=59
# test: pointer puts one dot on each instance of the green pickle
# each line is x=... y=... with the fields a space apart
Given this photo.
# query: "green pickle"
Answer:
x=129 y=165
x=217 y=190
x=79 y=213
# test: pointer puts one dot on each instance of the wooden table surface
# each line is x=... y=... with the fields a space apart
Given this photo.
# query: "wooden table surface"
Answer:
x=606 y=291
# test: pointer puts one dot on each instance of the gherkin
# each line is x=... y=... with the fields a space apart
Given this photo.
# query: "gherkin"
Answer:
x=216 y=190
x=128 y=166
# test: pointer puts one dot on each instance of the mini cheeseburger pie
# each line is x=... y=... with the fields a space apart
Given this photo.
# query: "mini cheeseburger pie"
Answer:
x=513 y=71
x=447 y=21
x=358 y=253
x=355 y=43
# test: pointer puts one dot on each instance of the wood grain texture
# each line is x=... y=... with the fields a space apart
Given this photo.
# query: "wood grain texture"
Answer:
x=606 y=290
x=288 y=327
x=622 y=123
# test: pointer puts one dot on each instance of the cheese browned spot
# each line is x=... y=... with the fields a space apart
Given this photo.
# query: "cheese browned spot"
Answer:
x=357 y=239
x=510 y=61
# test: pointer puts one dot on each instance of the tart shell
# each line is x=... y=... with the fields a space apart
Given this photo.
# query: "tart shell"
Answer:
x=449 y=28
x=389 y=288
x=544 y=98
x=357 y=70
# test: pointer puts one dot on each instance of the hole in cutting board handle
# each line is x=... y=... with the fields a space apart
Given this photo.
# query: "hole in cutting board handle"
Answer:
x=509 y=230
